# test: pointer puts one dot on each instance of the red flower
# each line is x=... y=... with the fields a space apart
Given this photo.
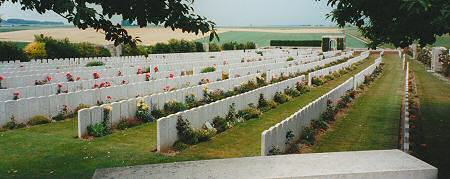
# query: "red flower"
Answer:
x=140 y=71
x=119 y=74
x=16 y=93
x=96 y=85
x=78 y=78
x=60 y=85
x=107 y=84
x=171 y=75
x=102 y=85
x=108 y=97
x=49 y=78
x=156 y=69
x=147 y=75
x=96 y=75
x=68 y=75
x=2 y=78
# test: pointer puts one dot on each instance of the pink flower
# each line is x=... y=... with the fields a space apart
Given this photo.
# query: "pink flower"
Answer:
x=156 y=69
x=140 y=71
x=2 y=78
x=68 y=75
x=147 y=75
x=78 y=78
x=108 y=97
x=107 y=84
x=16 y=93
x=60 y=85
x=102 y=85
x=119 y=74
x=171 y=75
x=95 y=85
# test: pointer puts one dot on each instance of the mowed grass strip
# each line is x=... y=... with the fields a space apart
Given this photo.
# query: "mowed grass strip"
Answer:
x=372 y=122
x=434 y=96
x=53 y=151
x=245 y=139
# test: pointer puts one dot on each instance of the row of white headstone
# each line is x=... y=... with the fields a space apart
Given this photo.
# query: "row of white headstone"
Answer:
x=126 y=109
x=335 y=68
x=275 y=137
x=237 y=69
x=166 y=127
x=405 y=113
x=93 y=116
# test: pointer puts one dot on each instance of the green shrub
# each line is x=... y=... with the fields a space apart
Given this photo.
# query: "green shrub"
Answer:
x=292 y=92
x=59 y=117
x=128 y=123
x=290 y=59
x=156 y=113
x=325 y=44
x=297 y=43
x=208 y=70
x=98 y=130
x=280 y=98
x=173 y=107
x=232 y=115
x=221 y=124
x=179 y=146
x=229 y=45
x=317 y=81
x=274 y=151
x=185 y=132
x=143 y=112
x=250 y=45
x=38 y=120
x=272 y=104
x=308 y=136
x=86 y=49
x=213 y=47
x=95 y=63
x=330 y=112
x=205 y=134
x=13 y=125
x=191 y=102
x=9 y=51
x=160 y=48
x=263 y=105
x=319 y=124
x=246 y=87
x=249 y=113
x=199 y=47
x=58 y=48
x=128 y=50
x=302 y=88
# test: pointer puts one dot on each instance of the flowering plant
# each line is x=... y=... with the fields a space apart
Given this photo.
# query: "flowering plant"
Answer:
x=139 y=71
x=147 y=77
x=16 y=95
x=78 y=78
x=49 y=78
x=171 y=75
x=167 y=88
x=1 y=79
x=69 y=77
x=96 y=75
x=119 y=73
x=156 y=69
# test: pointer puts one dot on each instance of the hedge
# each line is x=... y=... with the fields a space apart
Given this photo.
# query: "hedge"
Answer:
x=296 y=43
x=10 y=52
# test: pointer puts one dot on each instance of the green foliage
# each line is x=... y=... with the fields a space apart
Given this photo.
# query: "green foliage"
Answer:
x=340 y=44
x=229 y=45
x=13 y=125
x=38 y=120
x=205 y=134
x=302 y=88
x=330 y=113
x=213 y=47
x=98 y=130
x=185 y=132
x=58 y=48
x=191 y=102
x=308 y=136
x=280 y=98
x=319 y=124
x=296 y=43
x=246 y=87
x=317 y=81
x=290 y=59
x=9 y=51
x=59 y=117
x=208 y=70
x=128 y=123
x=292 y=92
x=249 y=113
x=221 y=124
x=325 y=44
x=143 y=112
x=173 y=107
x=274 y=151
x=250 y=45
x=232 y=115
x=179 y=146
x=263 y=105
x=233 y=45
x=129 y=50
x=86 y=49
x=95 y=63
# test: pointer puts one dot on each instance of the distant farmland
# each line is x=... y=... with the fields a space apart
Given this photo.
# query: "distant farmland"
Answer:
x=263 y=38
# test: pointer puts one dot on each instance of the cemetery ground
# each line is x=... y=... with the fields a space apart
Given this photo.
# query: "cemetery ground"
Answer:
x=52 y=150
x=372 y=122
x=434 y=96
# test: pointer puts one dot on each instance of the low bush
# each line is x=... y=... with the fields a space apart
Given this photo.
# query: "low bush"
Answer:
x=128 y=123
x=263 y=105
x=205 y=134
x=156 y=113
x=213 y=47
x=191 y=102
x=173 y=107
x=246 y=87
x=95 y=63
x=292 y=92
x=317 y=81
x=59 y=117
x=330 y=112
x=221 y=124
x=185 y=132
x=208 y=70
x=143 y=112
x=232 y=115
x=290 y=59
x=297 y=43
x=280 y=98
x=308 y=136
x=302 y=88
x=98 y=130
x=36 y=50
x=179 y=146
x=319 y=124
x=249 y=113
x=38 y=120
x=13 y=125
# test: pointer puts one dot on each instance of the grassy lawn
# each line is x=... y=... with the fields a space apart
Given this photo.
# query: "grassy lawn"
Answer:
x=263 y=38
x=434 y=96
x=53 y=151
x=372 y=123
x=245 y=139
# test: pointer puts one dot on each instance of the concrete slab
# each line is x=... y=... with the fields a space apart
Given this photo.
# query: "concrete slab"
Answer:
x=363 y=164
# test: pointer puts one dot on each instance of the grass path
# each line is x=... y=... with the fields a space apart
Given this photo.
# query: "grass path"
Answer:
x=245 y=139
x=53 y=151
x=434 y=96
x=372 y=123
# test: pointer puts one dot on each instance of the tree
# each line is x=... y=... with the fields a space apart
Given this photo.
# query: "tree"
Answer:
x=174 y=14
x=400 y=22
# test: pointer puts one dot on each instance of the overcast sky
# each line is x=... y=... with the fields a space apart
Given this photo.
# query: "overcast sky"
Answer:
x=228 y=12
